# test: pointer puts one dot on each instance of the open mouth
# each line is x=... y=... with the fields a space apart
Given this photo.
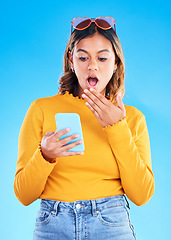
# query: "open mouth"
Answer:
x=92 y=82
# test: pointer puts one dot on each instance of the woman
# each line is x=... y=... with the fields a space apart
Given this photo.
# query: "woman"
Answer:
x=83 y=193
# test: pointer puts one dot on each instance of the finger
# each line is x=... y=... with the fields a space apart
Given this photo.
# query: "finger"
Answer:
x=96 y=113
x=66 y=140
x=102 y=98
x=99 y=118
x=58 y=134
x=67 y=147
x=97 y=98
x=48 y=134
x=92 y=104
x=120 y=103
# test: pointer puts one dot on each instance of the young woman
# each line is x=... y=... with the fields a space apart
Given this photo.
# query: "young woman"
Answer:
x=83 y=193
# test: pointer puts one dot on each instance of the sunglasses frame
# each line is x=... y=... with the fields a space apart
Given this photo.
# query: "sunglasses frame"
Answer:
x=93 y=20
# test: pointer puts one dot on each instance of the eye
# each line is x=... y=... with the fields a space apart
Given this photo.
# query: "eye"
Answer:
x=83 y=59
x=102 y=59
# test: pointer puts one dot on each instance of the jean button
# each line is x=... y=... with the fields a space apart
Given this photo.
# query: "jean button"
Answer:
x=78 y=206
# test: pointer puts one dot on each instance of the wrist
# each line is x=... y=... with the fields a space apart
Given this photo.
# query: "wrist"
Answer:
x=50 y=160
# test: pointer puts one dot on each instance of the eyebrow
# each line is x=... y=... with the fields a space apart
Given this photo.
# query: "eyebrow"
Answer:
x=103 y=50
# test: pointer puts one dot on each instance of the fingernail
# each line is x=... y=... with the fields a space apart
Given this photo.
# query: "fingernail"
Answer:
x=91 y=89
x=68 y=129
x=81 y=141
x=76 y=135
x=83 y=95
x=85 y=90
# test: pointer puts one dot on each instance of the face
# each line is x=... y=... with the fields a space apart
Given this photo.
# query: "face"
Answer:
x=93 y=61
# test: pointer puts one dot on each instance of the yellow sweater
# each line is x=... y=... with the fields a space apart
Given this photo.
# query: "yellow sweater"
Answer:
x=116 y=159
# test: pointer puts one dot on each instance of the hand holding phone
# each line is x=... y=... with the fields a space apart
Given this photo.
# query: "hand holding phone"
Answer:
x=51 y=148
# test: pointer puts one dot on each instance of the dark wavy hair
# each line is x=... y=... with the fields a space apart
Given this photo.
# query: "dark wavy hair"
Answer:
x=69 y=82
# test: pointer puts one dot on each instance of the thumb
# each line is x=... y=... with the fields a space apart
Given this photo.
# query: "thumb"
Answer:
x=120 y=103
x=48 y=134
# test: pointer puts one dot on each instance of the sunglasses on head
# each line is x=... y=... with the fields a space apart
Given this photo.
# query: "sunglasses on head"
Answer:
x=104 y=23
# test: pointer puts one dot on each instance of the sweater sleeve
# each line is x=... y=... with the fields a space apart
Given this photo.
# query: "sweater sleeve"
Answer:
x=32 y=169
x=132 y=152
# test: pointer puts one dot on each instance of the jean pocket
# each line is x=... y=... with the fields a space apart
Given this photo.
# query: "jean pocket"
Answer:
x=113 y=216
x=43 y=216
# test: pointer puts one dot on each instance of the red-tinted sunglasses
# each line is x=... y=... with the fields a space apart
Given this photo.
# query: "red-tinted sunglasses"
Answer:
x=102 y=22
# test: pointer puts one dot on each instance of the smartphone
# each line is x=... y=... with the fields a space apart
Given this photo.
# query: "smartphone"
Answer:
x=72 y=121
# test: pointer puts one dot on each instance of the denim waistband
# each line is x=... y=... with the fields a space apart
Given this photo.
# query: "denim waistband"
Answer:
x=84 y=205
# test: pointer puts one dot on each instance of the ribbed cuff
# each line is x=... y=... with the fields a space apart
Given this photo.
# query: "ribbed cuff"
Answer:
x=42 y=167
x=118 y=131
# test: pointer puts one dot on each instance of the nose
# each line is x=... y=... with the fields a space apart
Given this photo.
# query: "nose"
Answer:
x=93 y=65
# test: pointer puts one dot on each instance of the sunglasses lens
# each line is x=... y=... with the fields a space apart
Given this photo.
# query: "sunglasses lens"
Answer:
x=81 y=23
x=105 y=23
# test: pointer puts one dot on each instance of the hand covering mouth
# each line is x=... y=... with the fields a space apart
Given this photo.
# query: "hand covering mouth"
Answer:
x=92 y=81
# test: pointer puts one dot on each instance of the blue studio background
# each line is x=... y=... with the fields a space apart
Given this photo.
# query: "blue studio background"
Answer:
x=33 y=36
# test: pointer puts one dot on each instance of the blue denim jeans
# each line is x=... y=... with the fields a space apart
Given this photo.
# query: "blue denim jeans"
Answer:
x=100 y=219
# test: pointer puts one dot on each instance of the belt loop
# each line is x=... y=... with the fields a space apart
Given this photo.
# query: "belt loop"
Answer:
x=55 y=208
x=94 y=213
x=127 y=201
